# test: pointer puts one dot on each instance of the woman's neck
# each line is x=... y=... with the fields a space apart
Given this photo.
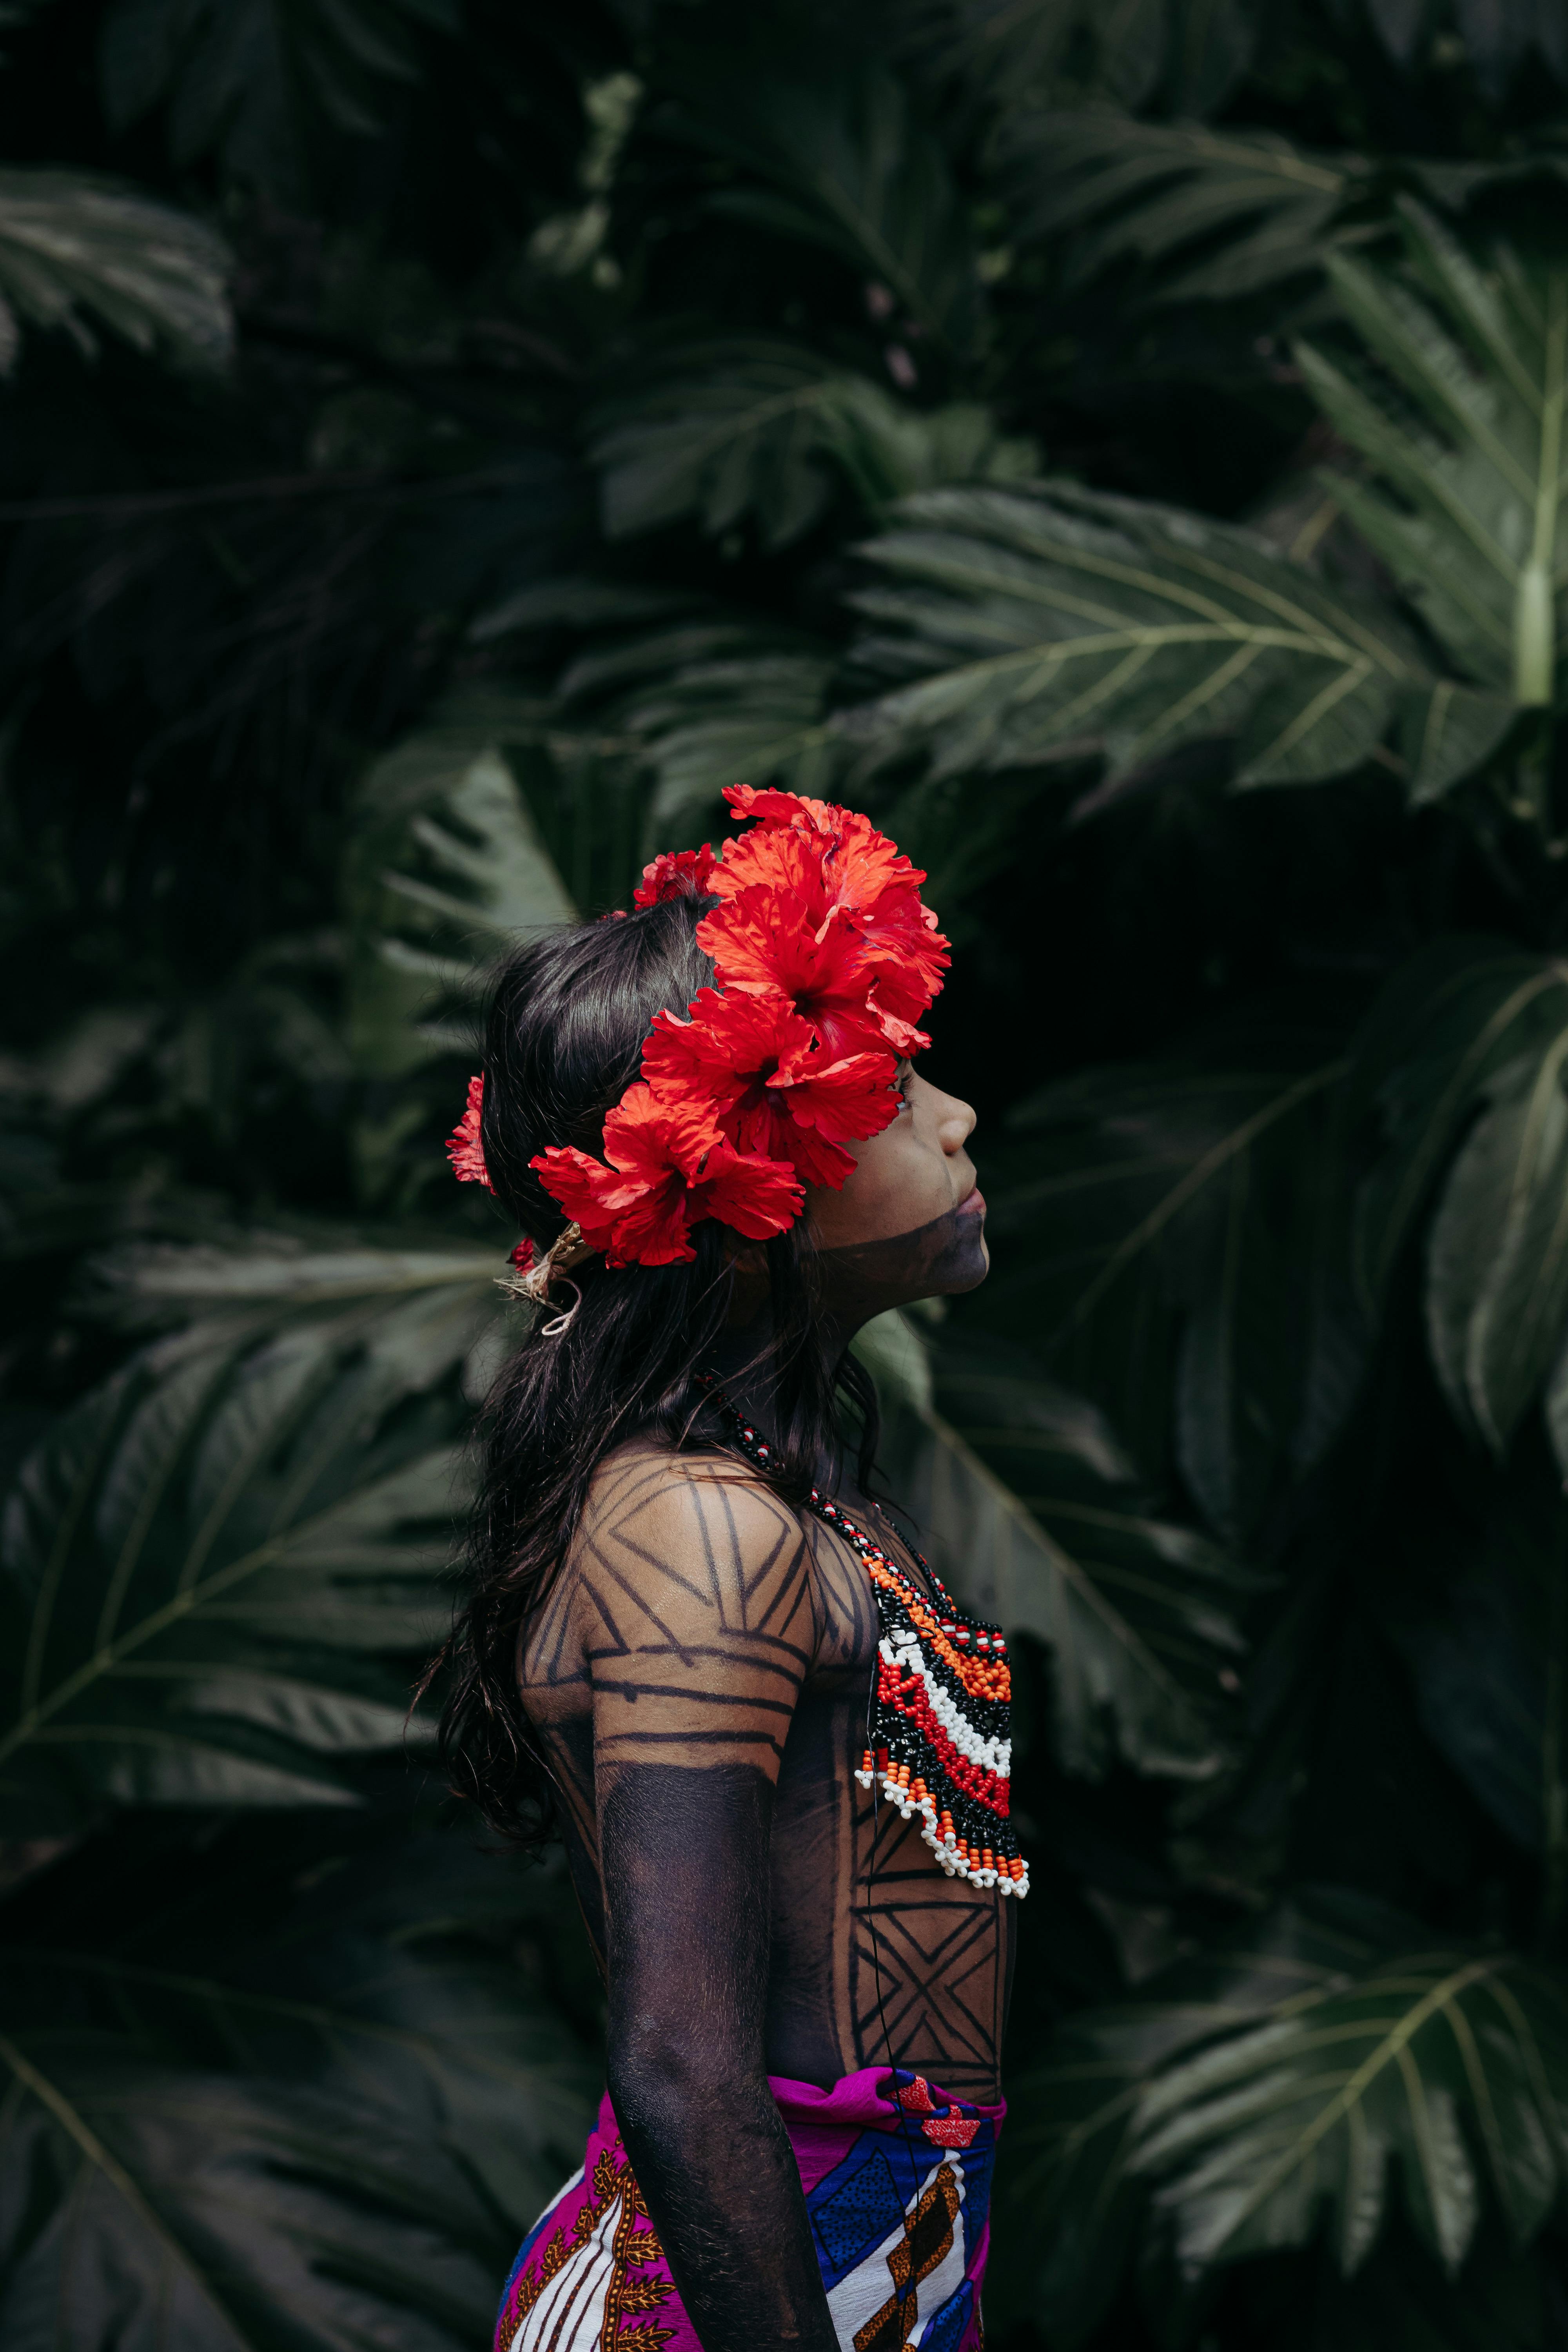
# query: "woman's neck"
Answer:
x=742 y=1359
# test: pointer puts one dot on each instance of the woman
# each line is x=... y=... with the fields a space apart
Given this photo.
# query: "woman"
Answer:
x=775 y=1747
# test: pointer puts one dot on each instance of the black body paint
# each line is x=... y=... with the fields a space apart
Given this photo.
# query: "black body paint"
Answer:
x=698 y=1678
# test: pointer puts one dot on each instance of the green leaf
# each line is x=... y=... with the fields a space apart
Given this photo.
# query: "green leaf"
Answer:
x=378 y=1966
x=75 y=249
x=894 y=1354
x=1462 y=427
x=1450 y=1018
x=1447 y=732
x=717 y=723
x=211 y=1563
x=241 y=2215
x=848 y=166
x=1209 y=215
x=1037 y=625
x=1171 y=1240
x=705 y=703
x=1481 y=1619
x=1018 y=56
x=1465 y=1049
x=1496 y=1261
x=239 y=78
x=1299 y=2079
x=771 y=430
x=1033 y=1511
x=446 y=872
x=307 y=2086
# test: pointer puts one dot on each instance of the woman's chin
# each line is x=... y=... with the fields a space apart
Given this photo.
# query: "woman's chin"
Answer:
x=973 y=1265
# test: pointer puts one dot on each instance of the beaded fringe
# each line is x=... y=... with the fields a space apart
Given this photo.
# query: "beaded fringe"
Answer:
x=940 y=1710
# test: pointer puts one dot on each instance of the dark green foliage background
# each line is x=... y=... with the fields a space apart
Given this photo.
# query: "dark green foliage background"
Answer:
x=1121 y=447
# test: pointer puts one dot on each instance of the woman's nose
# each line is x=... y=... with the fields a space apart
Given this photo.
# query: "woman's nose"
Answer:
x=956 y=1124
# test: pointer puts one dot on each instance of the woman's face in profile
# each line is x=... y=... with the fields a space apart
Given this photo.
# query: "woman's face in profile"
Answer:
x=911 y=1222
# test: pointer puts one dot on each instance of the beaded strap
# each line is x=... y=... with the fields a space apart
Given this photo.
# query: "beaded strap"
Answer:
x=940 y=1738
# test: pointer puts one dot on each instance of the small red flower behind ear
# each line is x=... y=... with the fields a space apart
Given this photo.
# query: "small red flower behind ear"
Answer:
x=463 y=1149
x=522 y=1255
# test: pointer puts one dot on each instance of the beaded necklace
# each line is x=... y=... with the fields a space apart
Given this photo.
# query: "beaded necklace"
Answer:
x=938 y=1726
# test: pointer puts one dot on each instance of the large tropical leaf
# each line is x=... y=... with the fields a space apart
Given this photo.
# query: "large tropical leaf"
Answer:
x=237 y=76
x=446 y=871
x=1462 y=427
x=1033 y=1511
x=310 y=2094
x=213 y=1563
x=405 y=1966
x=771 y=430
x=76 y=250
x=231 y=2215
x=1303 y=2078
x=416 y=1305
x=1207 y=213
x=1172 y=1241
x=699 y=703
x=1477 y=1609
x=844 y=163
x=1016 y=53
x=1033 y=625
x=1466 y=1049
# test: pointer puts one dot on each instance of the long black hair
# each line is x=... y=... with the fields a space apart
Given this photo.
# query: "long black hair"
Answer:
x=568 y=1018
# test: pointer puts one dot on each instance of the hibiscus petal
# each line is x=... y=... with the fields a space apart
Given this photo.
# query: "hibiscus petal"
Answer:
x=779 y=861
x=847 y=1101
x=758 y=942
x=757 y=1197
x=649 y=1132
x=814 y=1160
x=655 y=1228
x=591 y=1194
x=729 y=1043
x=771 y=807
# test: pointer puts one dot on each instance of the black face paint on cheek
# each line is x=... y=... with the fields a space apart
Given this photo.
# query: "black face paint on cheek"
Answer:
x=947 y=1255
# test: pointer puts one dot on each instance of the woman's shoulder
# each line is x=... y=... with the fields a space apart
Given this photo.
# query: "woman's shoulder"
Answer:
x=650 y=1495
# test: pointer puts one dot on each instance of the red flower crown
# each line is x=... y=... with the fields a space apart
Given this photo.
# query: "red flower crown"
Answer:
x=826 y=959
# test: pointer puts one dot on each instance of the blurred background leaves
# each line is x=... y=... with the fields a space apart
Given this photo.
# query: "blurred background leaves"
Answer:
x=1120 y=447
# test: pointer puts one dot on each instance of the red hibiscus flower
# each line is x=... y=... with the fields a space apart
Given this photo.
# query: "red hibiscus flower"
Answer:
x=668 y=1167
x=463 y=1149
x=522 y=1254
x=675 y=874
x=775 y=1091
x=760 y=944
x=838 y=863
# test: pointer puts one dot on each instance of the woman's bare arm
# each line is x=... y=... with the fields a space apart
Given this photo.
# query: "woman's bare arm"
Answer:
x=695 y=1596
